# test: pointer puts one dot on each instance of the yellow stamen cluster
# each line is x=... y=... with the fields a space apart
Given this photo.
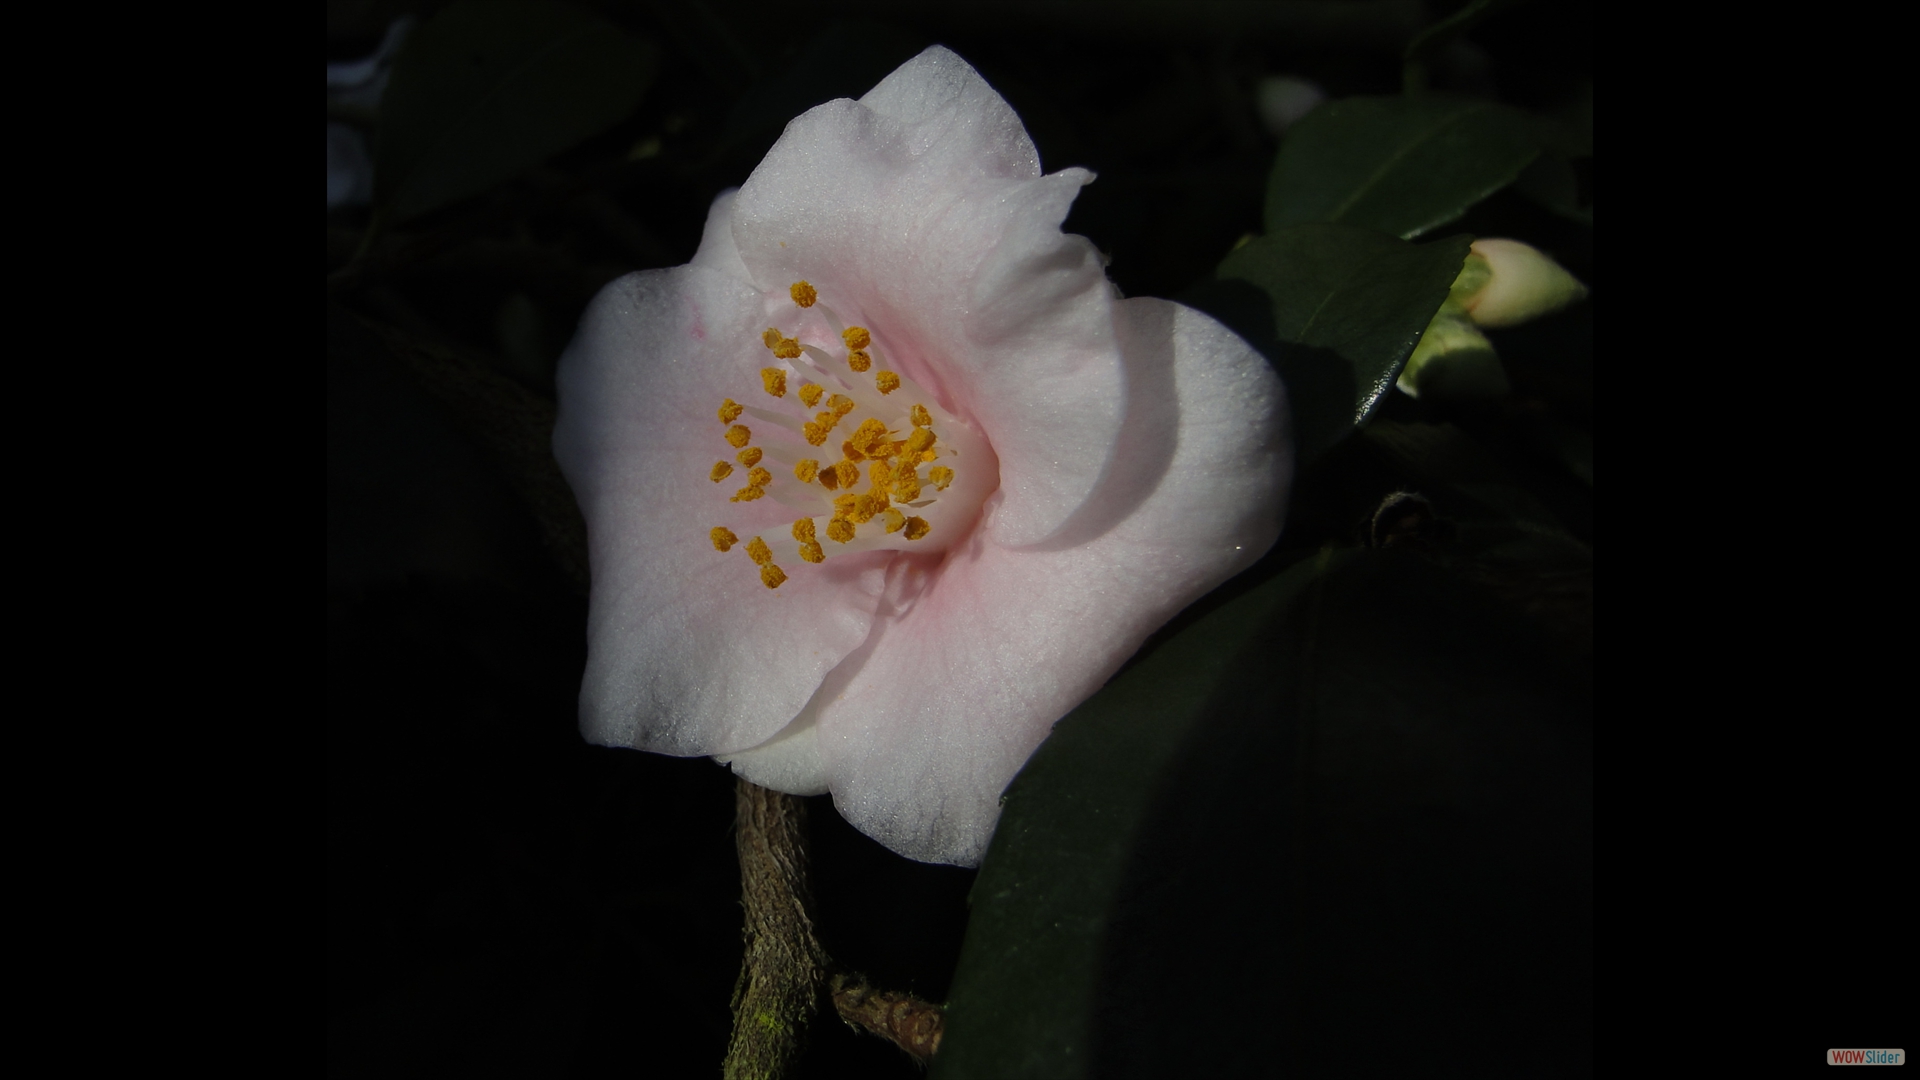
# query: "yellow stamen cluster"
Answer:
x=892 y=463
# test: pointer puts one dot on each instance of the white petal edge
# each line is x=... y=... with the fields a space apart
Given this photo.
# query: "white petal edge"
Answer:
x=717 y=251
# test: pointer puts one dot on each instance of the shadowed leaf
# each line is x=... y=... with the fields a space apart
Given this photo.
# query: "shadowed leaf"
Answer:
x=1341 y=824
x=1402 y=165
x=1338 y=310
x=490 y=88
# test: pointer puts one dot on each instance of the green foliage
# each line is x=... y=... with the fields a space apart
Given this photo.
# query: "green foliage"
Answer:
x=1338 y=310
x=490 y=88
x=1401 y=165
x=1277 y=837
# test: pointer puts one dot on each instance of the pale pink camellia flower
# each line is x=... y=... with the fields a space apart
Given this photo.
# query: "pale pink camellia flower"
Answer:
x=888 y=480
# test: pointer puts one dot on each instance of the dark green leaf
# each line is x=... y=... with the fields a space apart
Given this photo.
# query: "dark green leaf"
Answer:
x=490 y=88
x=1338 y=310
x=1429 y=41
x=1402 y=165
x=1550 y=181
x=1340 y=824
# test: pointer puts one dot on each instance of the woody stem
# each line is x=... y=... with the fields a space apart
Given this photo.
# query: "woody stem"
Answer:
x=785 y=970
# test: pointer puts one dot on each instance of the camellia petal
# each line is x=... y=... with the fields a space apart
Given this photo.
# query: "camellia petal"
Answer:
x=686 y=655
x=964 y=685
x=974 y=480
x=935 y=224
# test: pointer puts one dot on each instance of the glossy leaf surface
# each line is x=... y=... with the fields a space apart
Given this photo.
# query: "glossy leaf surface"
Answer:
x=1340 y=823
x=1338 y=310
x=1401 y=165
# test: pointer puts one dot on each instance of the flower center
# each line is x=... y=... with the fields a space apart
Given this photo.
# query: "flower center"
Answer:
x=893 y=437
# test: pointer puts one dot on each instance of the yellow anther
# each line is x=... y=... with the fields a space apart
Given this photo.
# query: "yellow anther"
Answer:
x=810 y=394
x=830 y=478
x=906 y=482
x=870 y=437
x=759 y=477
x=747 y=494
x=878 y=472
x=810 y=551
x=739 y=435
x=773 y=338
x=920 y=441
x=917 y=528
x=841 y=405
x=847 y=473
x=722 y=538
x=851 y=451
x=827 y=419
x=730 y=411
x=772 y=576
x=788 y=349
x=839 y=530
x=759 y=552
x=858 y=360
x=941 y=476
x=858 y=509
x=721 y=470
x=803 y=530
x=749 y=457
x=880 y=500
x=921 y=417
x=803 y=294
x=895 y=520
x=886 y=382
x=805 y=470
x=815 y=434
x=774 y=380
x=856 y=337
x=928 y=456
